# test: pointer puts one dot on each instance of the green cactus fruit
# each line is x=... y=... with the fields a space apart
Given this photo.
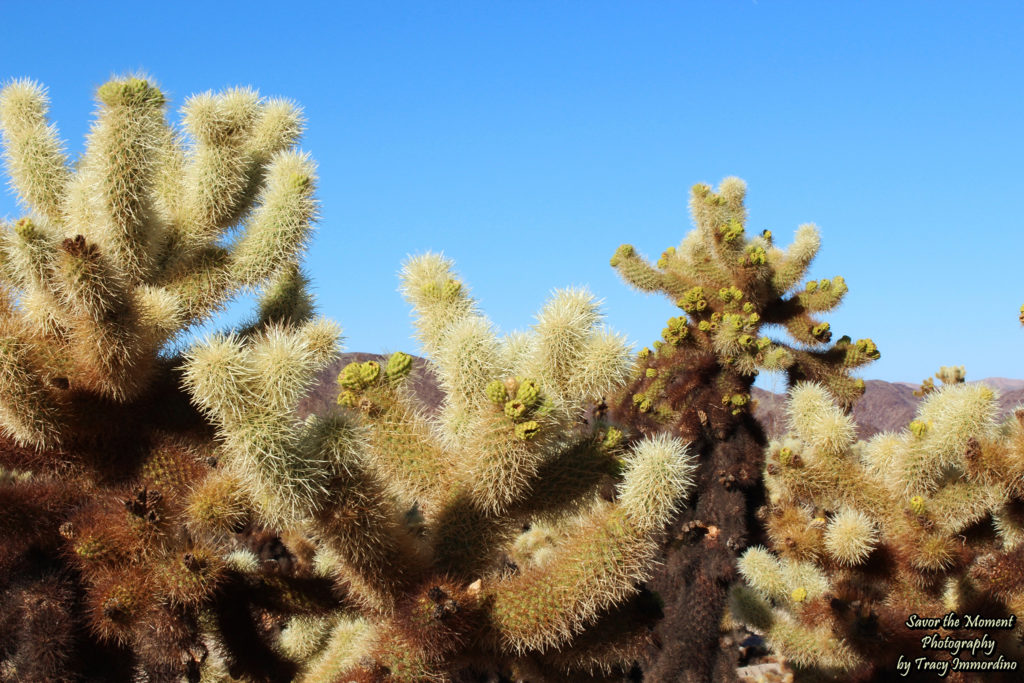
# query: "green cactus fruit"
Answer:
x=917 y=505
x=528 y=392
x=612 y=438
x=26 y=229
x=129 y=92
x=351 y=376
x=527 y=430
x=369 y=372
x=451 y=290
x=868 y=348
x=692 y=300
x=676 y=331
x=496 y=392
x=730 y=294
x=623 y=252
x=399 y=365
x=515 y=409
x=731 y=231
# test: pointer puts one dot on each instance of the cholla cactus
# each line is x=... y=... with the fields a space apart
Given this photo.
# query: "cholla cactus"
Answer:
x=421 y=520
x=116 y=545
x=696 y=384
x=863 y=535
x=946 y=375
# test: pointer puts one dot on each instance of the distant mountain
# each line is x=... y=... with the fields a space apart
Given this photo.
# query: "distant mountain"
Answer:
x=885 y=406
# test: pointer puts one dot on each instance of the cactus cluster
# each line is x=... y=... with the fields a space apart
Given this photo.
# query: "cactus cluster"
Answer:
x=863 y=535
x=167 y=515
x=125 y=537
x=502 y=535
x=696 y=384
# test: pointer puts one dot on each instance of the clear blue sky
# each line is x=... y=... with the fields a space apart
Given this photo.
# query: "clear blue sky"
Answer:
x=527 y=140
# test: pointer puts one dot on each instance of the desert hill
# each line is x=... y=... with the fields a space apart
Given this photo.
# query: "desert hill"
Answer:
x=885 y=406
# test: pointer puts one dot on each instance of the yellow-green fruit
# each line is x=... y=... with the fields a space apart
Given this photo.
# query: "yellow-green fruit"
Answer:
x=399 y=365
x=131 y=91
x=451 y=290
x=496 y=392
x=527 y=430
x=612 y=439
x=515 y=409
x=350 y=376
x=917 y=505
x=528 y=393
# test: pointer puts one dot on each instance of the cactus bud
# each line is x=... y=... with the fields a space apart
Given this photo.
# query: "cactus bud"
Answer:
x=611 y=439
x=623 y=252
x=527 y=430
x=515 y=409
x=496 y=392
x=917 y=505
x=528 y=392
x=918 y=428
x=399 y=365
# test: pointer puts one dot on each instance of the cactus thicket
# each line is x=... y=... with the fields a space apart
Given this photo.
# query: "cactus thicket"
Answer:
x=863 y=535
x=696 y=384
x=167 y=515
x=502 y=536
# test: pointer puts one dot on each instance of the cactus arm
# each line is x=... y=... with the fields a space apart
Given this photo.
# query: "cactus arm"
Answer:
x=36 y=161
x=599 y=565
x=121 y=162
x=280 y=228
x=29 y=412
